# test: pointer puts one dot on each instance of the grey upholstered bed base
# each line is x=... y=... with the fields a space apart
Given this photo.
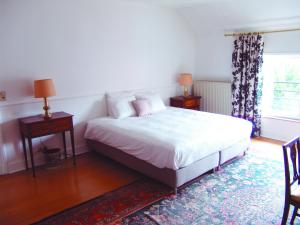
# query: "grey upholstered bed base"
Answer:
x=172 y=178
x=238 y=148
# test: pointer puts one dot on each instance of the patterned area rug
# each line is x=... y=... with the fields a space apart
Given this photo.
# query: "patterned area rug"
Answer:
x=250 y=190
x=112 y=206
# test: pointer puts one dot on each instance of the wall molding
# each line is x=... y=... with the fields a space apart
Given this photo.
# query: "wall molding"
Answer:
x=34 y=101
x=3 y=158
x=61 y=98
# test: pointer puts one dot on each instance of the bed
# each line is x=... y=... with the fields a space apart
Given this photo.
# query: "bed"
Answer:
x=173 y=146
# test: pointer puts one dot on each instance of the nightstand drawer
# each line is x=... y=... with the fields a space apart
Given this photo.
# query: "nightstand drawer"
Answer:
x=188 y=102
x=54 y=126
x=191 y=103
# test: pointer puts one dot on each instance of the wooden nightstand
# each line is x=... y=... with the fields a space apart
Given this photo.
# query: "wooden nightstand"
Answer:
x=37 y=126
x=189 y=102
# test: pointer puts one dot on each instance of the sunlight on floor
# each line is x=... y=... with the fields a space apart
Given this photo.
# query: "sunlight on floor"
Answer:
x=267 y=148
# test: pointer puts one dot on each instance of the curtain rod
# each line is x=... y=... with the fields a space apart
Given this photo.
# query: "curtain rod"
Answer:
x=260 y=32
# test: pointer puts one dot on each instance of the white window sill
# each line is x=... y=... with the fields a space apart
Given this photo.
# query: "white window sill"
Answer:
x=282 y=118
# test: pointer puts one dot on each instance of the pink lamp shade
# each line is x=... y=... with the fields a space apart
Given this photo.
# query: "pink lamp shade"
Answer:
x=186 y=79
x=44 y=88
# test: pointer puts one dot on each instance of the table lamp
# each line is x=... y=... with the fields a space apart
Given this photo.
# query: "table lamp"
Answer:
x=44 y=89
x=186 y=80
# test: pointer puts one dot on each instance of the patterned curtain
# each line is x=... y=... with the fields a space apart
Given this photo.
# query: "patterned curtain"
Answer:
x=247 y=59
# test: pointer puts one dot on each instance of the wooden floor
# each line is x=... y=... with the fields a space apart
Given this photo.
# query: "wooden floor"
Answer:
x=269 y=148
x=24 y=199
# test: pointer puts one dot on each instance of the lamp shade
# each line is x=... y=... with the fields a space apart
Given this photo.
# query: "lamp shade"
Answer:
x=44 y=88
x=186 y=79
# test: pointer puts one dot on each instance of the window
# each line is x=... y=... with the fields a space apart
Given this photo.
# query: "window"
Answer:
x=281 y=87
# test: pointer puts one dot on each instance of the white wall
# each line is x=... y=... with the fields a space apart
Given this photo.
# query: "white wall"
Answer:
x=213 y=57
x=213 y=62
x=87 y=48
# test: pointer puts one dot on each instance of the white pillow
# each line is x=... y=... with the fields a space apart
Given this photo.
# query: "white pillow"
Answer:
x=113 y=96
x=121 y=107
x=154 y=99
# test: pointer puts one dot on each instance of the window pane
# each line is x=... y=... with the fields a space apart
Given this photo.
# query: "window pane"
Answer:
x=281 y=91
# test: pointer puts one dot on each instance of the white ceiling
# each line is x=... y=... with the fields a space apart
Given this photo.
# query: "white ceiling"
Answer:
x=205 y=16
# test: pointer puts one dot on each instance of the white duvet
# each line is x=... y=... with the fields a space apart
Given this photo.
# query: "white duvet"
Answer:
x=172 y=138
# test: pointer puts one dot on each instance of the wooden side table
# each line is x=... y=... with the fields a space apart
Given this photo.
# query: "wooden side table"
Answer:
x=36 y=126
x=189 y=102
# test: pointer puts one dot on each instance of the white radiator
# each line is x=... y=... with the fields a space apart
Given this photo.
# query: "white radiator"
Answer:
x=215 y=96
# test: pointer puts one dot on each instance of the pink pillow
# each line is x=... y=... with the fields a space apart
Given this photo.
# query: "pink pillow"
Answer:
x=142 y=107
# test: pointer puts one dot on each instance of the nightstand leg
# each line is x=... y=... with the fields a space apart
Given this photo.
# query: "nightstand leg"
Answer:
x=73 y=145
x=31 y=156
x=24 y=150
x=65 y=146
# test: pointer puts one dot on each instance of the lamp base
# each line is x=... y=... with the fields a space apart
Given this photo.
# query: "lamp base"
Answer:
x=46 y=108
x=47 y=117
x=185 y=91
